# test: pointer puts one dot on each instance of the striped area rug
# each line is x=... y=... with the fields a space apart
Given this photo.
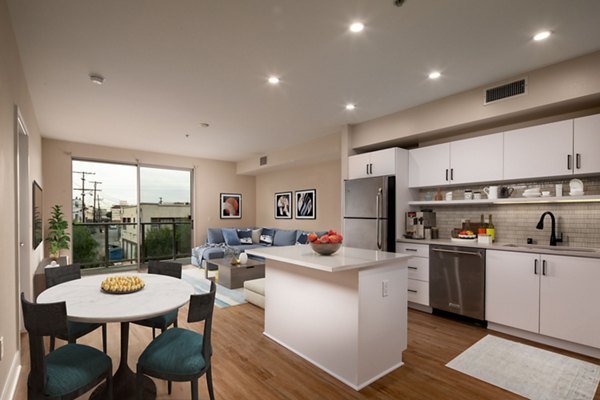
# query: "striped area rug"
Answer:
x=225 y=297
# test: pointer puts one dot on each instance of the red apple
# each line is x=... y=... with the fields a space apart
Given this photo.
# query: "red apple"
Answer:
x=331 y=232
x=340 y=237
x=317 y=241
x=312 y=237
x=324 y=239
x=334 y=239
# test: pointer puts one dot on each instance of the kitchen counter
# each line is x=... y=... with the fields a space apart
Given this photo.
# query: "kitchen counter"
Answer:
x=525 y=248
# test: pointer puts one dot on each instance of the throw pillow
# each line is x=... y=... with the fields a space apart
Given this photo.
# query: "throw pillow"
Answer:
x=284 y=238
x=231 y=236
x=256 y=235
x=266 y=236
x=215 y=236
x=245 y=236
x=302 y=237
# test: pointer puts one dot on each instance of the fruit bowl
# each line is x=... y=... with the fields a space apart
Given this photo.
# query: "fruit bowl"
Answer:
x=325 y=249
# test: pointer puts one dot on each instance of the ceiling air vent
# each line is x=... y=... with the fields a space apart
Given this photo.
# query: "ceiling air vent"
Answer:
x=511 y=89
x=263 y=160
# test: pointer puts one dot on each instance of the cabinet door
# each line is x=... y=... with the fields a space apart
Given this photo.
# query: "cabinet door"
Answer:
x=358 y=166
x=570 y=299
x=587 y=144
x=429 y=166
x=383 y=162
x=512 y=289
x=477 y=160
x=539 y=151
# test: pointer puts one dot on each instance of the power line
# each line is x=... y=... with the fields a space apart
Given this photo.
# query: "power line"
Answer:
x=82 y=190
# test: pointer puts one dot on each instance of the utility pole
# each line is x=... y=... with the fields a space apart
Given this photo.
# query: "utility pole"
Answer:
x=95 y=199
x=82 y=190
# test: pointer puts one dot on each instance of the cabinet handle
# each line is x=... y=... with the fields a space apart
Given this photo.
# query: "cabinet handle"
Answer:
x=544 y=267
x=569 y=162
x=535 y=262
x=409 y=267
x=410 y=249
x=578 y=161
x=446 y=174
x=413 y=291
x=451 y=174
x=367 y=165
x=371 y=168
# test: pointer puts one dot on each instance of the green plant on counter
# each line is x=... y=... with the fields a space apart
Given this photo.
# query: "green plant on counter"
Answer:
x=57 y=238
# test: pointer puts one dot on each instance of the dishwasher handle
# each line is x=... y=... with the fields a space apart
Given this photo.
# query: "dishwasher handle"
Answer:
x=468 y=253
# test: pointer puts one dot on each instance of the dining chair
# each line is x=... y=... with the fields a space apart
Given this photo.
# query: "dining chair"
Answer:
x=162 y=322
x=67 y=372
x=56 y=276
x=180 y=354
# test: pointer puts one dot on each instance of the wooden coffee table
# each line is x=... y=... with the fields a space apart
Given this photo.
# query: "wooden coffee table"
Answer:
x=234 y=276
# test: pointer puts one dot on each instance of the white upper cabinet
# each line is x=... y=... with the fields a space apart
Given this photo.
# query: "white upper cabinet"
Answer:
x=477 y=160
x=587 y=144
x=539 y=151
x=376 y=163
x=429 y=166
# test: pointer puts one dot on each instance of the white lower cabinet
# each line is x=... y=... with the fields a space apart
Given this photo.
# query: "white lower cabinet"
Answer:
x=556 y=296
x=418 y=272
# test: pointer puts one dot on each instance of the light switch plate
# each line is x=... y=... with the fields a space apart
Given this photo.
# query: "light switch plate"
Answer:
x=385 y=288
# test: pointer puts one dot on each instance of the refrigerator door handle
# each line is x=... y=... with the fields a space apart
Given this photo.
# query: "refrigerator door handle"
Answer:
x=378 y=199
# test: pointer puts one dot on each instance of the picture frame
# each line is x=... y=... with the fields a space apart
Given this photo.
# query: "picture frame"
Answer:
x=284 y=205
x=37 y=219
x=231 y=205
x=306 y=204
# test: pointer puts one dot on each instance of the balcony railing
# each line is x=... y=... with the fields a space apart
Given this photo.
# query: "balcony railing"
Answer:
x=109 y=244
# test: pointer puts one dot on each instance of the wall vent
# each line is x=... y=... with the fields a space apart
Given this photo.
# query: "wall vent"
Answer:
x=502 y=92
x=263 y=160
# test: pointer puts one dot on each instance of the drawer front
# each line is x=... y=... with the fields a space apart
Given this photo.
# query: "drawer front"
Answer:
x=418 y=292
x=418 y=268
x=419 y=250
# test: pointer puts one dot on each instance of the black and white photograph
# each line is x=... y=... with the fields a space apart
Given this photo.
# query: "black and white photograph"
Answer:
x=283 y=205
x=306 y=204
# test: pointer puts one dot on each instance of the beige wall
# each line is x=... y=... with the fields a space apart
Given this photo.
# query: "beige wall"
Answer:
x=13 y=92
x=564 y=87
x=324 y=177
x=210 y=179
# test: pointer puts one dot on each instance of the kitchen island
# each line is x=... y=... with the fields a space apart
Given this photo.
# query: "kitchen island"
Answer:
x=345 y=313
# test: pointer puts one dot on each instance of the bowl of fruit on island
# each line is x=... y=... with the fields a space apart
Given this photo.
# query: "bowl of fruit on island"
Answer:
x=466 y=235
x=326 y=244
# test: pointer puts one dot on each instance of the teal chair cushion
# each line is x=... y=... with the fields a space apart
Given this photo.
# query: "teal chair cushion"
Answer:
x=161 y=322
x=176 y=351
x=78 y=329
x=72 y=367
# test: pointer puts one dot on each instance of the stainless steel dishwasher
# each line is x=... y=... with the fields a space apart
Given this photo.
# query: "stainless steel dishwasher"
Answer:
x=457 y=280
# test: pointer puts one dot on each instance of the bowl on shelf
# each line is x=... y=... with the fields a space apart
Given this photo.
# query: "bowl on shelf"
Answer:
x=325 y=249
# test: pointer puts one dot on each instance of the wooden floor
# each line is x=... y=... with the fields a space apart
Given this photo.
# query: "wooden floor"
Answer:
x=247 y=365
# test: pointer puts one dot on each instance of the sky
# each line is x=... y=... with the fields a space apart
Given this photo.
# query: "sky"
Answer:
x=119 y=183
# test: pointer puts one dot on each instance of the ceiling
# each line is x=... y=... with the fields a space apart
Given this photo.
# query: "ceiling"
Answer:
x=170 y=66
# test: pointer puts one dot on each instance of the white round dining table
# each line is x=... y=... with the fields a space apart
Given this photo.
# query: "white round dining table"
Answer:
x=86 y=302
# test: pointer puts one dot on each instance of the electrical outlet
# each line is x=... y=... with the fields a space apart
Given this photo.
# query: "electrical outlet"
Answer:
x=1 y=348
x=384 y=288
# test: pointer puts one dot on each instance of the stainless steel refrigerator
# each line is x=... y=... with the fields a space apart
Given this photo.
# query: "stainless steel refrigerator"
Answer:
x=369 y=215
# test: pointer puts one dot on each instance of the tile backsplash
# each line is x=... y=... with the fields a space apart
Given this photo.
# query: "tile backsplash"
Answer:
x=514 y=223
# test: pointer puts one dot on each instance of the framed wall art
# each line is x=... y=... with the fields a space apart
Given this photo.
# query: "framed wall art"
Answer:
x=231 y=206
x=283 y=205
x=306 y=204
x=36 y=218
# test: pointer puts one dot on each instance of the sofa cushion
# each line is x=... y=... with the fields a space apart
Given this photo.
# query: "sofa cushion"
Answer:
x=284 y=238
x=266 y=236
x=215 y=236
x=231 y=236
x=301 y=237
x=256 y=235
x=245 y=236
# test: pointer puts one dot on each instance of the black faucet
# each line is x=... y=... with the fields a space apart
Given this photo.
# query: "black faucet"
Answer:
x=540 y=225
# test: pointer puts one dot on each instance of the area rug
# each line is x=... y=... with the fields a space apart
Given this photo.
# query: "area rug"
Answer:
x=528 y=371
x=225 y=297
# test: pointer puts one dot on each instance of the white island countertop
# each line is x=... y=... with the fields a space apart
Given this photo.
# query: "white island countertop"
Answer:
x=346 y=258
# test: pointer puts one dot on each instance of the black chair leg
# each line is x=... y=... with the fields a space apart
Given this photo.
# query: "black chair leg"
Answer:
x=211 y=392
x=139 y=384
x=194 y=389
x=104 y=338
x=52 y=343
x=72 y=340
x=153 y=333
x=109 y=385
x=169 y=386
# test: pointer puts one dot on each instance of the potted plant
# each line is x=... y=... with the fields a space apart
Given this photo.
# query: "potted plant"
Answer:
x=58 y=238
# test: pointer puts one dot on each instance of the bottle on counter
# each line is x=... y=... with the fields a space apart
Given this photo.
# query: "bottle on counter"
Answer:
x=490 y=230
x=482 y=227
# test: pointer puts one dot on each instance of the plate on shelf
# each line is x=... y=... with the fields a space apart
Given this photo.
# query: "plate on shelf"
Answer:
x=453 y=239
x=536 y=194
x=575 y=184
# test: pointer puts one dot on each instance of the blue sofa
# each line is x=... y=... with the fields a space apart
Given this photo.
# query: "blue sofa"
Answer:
x=221 y=240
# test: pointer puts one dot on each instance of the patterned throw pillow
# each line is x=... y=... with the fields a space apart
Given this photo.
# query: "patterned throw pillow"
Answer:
x=245 y=236
x=302 y=237
x=256 y=235
x=266 y=236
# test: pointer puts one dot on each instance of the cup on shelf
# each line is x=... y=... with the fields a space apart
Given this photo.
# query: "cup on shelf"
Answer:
x=476 y=195
x=449 y=196
x=468 y=194
x=546 y=193
x=491 y=192
x=559 y=190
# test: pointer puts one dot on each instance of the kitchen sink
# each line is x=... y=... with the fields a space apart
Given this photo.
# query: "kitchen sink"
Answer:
x=554 y=248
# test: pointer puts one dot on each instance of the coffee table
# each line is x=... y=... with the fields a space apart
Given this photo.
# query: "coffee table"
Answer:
x=234 y=276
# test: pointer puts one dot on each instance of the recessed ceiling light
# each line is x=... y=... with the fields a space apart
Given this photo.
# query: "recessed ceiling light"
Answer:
x=350 y=106
x=273 y=80
x=97 y=79
x=357 y=27
x=542 y=35
x=434 y=75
